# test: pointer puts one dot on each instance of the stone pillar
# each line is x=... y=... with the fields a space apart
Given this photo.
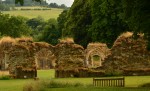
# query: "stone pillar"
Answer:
x=92 y=61
x=5 y=61
x=100 y=62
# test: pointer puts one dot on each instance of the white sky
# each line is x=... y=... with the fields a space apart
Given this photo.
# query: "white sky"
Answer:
x=59 y=2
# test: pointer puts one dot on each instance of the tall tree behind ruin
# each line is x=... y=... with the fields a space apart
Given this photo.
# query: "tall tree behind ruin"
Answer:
x=137 y=16
x=78 y=22
x=106 y=19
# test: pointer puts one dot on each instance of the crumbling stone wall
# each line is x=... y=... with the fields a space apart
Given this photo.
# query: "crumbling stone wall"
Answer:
x=5 y=45
x=21 y=58
x=96 y=49
x=128 y=53
x=45 y=58
x=70 y=56
x=18 y=53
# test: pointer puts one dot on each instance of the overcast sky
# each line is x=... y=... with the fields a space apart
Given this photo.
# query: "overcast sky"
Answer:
x=59 y=2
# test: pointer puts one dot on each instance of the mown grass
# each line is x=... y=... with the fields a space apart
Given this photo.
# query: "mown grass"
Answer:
x=97 y=89
x=46 y=74
x=12 y=85
x=18 y=84
x=46 y=14
x=131 y=83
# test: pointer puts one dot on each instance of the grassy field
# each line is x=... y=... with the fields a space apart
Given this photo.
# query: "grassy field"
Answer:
x=17 y=84
x=46 y=14
x=131 y=82
x=98 y=89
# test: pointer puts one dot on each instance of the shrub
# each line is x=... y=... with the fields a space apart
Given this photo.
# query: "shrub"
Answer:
x=34 y=86
x=56 y=84
x=6 y=77
x=42 y=85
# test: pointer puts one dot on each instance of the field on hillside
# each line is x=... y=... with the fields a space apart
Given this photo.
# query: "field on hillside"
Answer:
x=46 y=14
x=131 y=82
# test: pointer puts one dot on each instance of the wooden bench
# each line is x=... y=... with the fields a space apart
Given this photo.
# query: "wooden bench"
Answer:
x=109 y=82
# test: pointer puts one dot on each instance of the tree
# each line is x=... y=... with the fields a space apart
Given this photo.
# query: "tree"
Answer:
x=50 y=33
x=13 y=26
x=107 y=24
x=53 y=5
x=34 y=23
x=22 y=1
x=37 y=24
x=78 y=22
x=95 y=21
x=63 y=6
x=137 y=16
x=61 y=21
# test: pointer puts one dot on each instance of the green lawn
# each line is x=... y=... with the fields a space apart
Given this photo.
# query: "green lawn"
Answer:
x=46 y=14
x=12 y=85
x=98 y=89
x=131 y=82
x=17 y=84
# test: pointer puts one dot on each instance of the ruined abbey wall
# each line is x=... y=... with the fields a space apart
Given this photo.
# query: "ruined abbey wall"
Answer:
x=129 y=56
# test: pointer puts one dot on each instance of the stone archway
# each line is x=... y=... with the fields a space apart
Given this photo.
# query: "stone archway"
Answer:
x=94 y=58
x=95 y=54
x=45 y=59
x=44 y=56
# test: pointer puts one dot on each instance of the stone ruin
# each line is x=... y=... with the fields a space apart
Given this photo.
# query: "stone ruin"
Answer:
x=22 y=56
x=129 y=55
x=5 y=45
x=44 y=57
x=18 y=57
x=95 y=54
x=70 y=58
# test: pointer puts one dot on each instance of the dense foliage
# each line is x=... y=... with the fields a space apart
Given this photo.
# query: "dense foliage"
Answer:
x=137 y=16
x=78 y=22
x=105 y=20
x=39 y=29
x=13 y=26
x=46 y=31
x=107 y=24
x=61 y=21
x=33 y=3
x=24 y=2
x=92 y=21
x=21 y=2
x=55 y=5
x=50 y=34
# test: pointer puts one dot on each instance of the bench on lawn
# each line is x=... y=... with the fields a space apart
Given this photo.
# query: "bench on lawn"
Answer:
x=109 y=82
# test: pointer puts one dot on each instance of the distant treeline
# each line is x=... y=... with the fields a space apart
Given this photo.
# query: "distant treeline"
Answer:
x=55 y=5
x=32 y=3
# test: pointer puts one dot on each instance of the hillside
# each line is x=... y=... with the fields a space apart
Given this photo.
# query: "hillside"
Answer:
x=34 y=12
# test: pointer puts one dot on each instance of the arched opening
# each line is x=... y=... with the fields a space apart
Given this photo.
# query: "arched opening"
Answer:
x=96 y=61
x=45 y=59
